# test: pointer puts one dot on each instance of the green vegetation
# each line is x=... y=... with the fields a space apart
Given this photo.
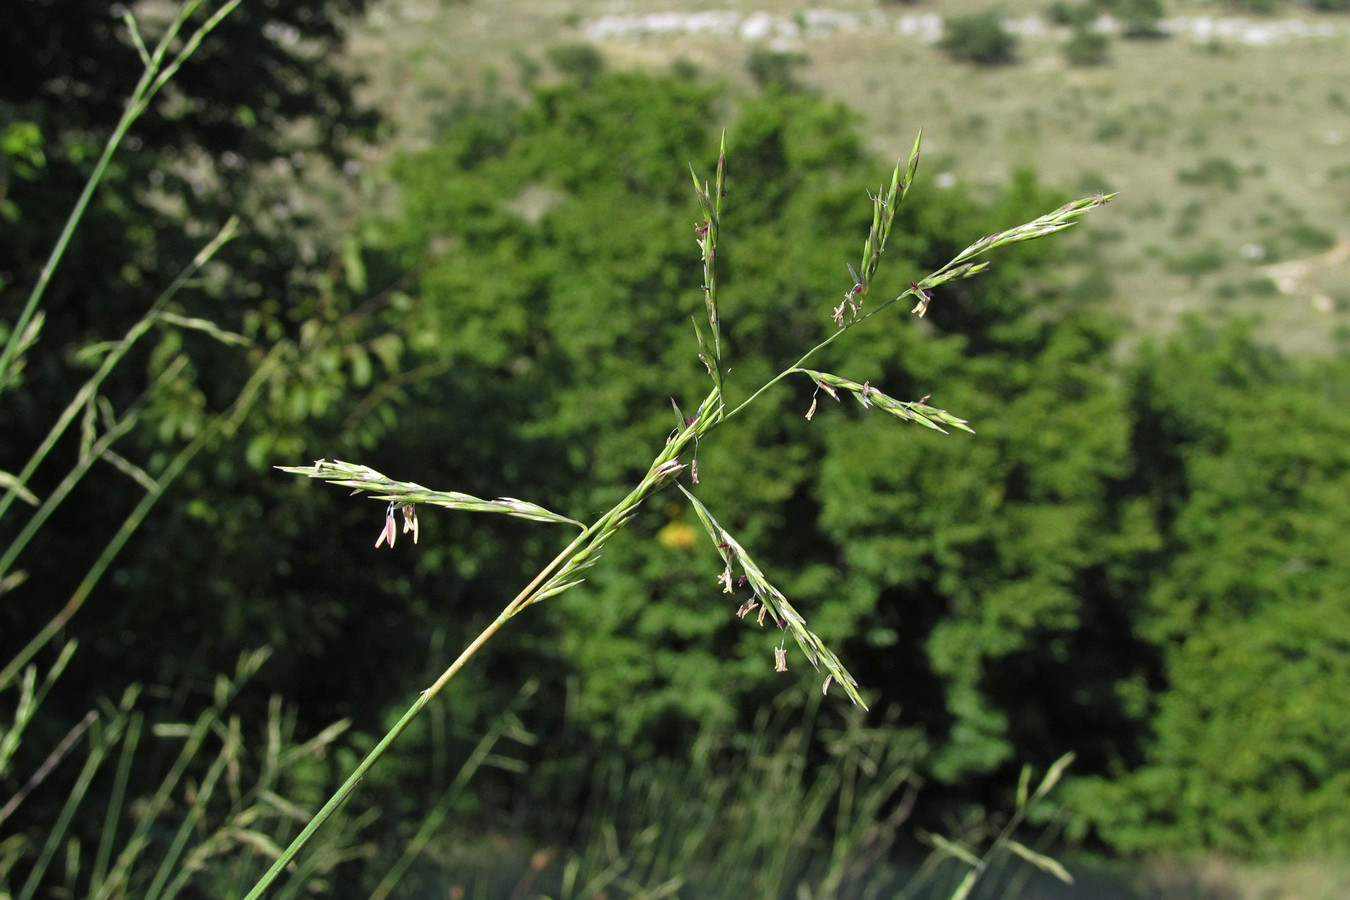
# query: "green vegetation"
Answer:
x=581 y=61
x=978 y=38
x=576 y=123
x=1247 y=752
x=1137 y=558
x=1087 y=48
x=1076 y=15
x=773 y=69
x=1214 y=170
x=1138 y=18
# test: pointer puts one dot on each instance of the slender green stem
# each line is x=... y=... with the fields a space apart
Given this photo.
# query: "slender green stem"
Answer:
x=147 y=814
x=117 y=801
x=113 y=356
x=171 y=857
x=77 y=472
x=54 y=759
x=809 y=353
x=785 y=373
x=505 y=723
x=100 y=743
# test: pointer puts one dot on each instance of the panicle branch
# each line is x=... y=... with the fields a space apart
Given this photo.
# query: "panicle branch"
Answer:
x=400 y=494
x=767 y=599
x=707 y=233
x=961 y=267
x=884 y=205
x=917 y=411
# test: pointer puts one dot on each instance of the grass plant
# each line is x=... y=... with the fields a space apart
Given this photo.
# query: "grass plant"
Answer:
x=216 y=800
x=101 y=426
x=679 y=455
x=802 y=805
x=1004 y=843
x=759 y=813
x=161 y=65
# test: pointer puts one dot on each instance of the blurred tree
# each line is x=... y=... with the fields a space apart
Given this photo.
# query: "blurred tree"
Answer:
x=775 y=68
x=1245 y=455
x=1138 y=18
x=580 y=61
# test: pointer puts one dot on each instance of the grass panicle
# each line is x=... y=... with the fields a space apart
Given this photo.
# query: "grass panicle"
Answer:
x=12 y=373
x=563 y=572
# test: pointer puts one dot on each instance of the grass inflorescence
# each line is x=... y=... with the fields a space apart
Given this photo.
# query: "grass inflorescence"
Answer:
x=678 y=456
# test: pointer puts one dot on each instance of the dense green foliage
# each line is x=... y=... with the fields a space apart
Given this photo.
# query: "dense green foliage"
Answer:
x=1138 y=18
x=1247 y=456
x=1138 y=559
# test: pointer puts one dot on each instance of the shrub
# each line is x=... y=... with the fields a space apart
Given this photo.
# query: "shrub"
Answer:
x=980 y=38
x=774 y=68
x=1139 y=18
x=1086 y=48
x=1075 y=15
x=581 y=61
x=1308 y=237
x=1261 y=287
x=1250 y=749
x=1195 y=264
x=1214 y=171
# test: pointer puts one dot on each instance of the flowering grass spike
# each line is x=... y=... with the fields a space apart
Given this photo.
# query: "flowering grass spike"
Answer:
x=669 y=463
